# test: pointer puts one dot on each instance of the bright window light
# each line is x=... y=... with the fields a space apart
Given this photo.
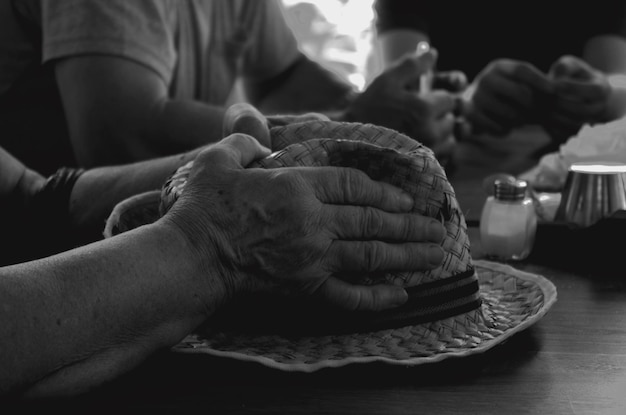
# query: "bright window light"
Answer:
x=336 y=33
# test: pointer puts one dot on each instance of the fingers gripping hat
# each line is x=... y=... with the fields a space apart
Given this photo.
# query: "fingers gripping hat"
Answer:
x=459 y=308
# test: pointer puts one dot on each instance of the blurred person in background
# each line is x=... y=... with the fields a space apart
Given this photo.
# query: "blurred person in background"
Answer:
x=559 y=66
x=89 y=82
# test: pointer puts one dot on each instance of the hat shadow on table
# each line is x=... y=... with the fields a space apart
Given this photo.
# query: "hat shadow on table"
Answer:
x=461 y=308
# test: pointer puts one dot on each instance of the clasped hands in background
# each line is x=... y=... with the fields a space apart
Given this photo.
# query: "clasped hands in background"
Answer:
x=507 y=94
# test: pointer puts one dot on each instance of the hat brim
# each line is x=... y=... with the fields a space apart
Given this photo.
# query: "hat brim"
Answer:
x=512 y=300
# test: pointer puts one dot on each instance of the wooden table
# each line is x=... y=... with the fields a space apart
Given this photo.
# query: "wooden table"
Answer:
x=573 y=361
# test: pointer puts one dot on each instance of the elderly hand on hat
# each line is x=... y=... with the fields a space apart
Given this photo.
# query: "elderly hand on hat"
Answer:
x=294 y=229
x=104 y=307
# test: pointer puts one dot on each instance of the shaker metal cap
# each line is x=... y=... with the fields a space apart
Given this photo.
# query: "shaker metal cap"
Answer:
x=510 y=190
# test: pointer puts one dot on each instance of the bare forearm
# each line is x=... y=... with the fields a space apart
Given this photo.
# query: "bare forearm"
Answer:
x=99 y=310
x=168 y=128
x=98 y=190
x=185 y=125
x=120 y=112
x=306 y=87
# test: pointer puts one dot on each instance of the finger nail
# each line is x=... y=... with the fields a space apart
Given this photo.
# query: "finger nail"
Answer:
x=406 y=201
x=436 y=231
x=400 y=298
x=435 y=255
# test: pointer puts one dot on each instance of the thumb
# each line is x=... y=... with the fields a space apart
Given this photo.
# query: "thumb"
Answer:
x=245 y=118
x=412 y=66
x=235 y=151
x=570 y=67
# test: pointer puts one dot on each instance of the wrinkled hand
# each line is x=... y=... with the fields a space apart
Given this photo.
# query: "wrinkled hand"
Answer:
x=244 y=118
x=581 y=96
x=507 y=94
x=292 y=230
x=392 y=101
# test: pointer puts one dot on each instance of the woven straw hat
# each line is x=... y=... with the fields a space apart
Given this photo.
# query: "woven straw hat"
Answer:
x=463 y=307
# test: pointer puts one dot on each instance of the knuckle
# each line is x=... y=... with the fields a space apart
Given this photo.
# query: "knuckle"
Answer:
x=499 y=63
x=373 y=302
x=412 y=257
x=248 y=124
x=523 y=71
x=355 y=302
x=372 y=222
x=282 y=179
x=238 y=140
x=213 y=155
x=568 y=60
x=289 y=191
x=372 y=253
x=354 y=182
x=378 y=301
x=509 y=63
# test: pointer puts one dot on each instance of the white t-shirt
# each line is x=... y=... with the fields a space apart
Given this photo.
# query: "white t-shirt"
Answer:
x=198 y=47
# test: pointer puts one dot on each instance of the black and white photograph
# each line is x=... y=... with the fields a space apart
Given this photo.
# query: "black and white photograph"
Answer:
x=312 y=207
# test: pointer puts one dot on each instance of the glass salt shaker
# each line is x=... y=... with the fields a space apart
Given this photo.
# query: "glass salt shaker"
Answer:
x=508 y=221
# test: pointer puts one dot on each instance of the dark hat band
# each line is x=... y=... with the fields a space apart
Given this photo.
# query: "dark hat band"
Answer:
x=429 y=302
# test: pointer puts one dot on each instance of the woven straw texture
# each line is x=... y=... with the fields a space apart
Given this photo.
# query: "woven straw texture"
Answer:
x=133 y=212
x=510 y=300
x=384 y=155
x=513 y=300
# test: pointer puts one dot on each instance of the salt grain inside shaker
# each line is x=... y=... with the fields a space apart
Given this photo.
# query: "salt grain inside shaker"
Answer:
x=508 y=222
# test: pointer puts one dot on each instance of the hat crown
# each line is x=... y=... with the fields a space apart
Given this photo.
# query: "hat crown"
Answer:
x=388 y=156
x=384 y=155
x=297 y=337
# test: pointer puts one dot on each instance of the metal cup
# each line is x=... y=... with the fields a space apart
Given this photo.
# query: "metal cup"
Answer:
x=593 y=191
